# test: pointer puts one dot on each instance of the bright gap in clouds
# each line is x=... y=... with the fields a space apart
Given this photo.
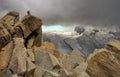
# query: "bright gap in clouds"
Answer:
x=55 y=28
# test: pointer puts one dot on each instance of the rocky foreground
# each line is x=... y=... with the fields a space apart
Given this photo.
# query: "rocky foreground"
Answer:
x=23 y=54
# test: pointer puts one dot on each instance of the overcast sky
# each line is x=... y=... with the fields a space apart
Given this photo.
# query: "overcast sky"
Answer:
x=94 y=12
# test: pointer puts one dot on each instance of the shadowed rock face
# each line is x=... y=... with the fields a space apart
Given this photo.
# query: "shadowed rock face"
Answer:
x=32 y=22
x=31 y=27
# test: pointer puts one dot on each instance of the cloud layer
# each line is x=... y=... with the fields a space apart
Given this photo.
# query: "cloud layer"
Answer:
x=67 y=12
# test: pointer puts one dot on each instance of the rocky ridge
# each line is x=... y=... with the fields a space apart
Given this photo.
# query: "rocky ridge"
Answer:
x=24 y=54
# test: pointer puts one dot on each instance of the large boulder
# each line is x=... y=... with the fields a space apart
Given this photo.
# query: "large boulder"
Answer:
x=46 y=60
x=10 y=19
x=105 y=62
x=5 y=55
x=32 y=22
x=19 y=57
x=72 y=61
x=75 y=64
x=22 y=61
x=113 y=45
x=31 y=27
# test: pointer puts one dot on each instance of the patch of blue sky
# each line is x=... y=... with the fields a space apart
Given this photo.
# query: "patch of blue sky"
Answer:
x=55 y=28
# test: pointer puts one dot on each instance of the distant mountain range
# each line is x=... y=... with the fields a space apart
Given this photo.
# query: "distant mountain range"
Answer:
x=85 y=41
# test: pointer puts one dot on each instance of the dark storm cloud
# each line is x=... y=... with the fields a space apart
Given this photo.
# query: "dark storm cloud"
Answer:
x=94 y=12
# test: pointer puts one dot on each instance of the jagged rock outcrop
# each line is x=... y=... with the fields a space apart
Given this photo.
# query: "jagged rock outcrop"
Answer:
x=23 y=54
x=32 y=24
x=6 y=25
x=10 y=19
x=16 y=60
x=105 y=62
